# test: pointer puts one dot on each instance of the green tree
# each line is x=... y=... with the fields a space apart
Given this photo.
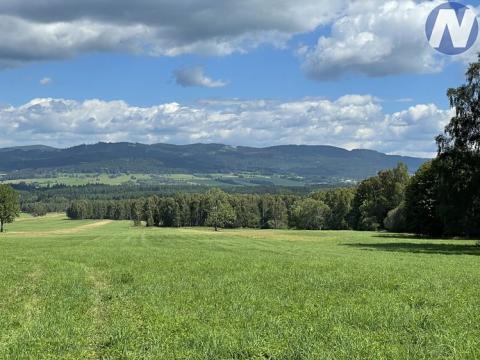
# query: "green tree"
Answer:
x=79 y=210
x=274 y=213
x=462 y=134
x=340 y=203
x=184 y=212
x=220 y=211
x=37 y=209
x=197 y=213
x=443 y=198
x=421 y=202
x=169 y=212
x=396 y=219
x=9 y=205
x=136 y=212
x=150 y=211
x=311 y=214
x=376 y=196
x=365 y=207
x=247 y=211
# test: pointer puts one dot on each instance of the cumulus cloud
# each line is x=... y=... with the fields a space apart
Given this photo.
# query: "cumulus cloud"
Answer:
x=196 y=77
x=372 y=37
x=57 y=29
x=376 y=38
x=352 y=121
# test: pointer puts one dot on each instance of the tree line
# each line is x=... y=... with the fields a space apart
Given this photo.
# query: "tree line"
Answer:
x=364 y=208
x=215 y=208
x=57 y=198
x=368 y=207
x=426 y=203
x=443 y=197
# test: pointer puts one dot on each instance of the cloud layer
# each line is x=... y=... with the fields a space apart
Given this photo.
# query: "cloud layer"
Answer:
x=56 y=29
x=372 y=37
x=352 y=121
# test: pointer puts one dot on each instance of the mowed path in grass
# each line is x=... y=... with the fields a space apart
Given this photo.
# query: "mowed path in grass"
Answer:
x=52 y=224
x=112 y=291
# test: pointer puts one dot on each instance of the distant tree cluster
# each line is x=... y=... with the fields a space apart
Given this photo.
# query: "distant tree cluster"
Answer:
x=57 y=198
x=337 y=209
x=37 y=209
x=215 y=208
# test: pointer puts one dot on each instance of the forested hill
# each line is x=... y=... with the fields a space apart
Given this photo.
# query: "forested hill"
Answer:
x=305 y=161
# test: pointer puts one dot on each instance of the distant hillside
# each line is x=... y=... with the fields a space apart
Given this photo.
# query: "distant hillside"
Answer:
x=313 y=162
x=29 y=148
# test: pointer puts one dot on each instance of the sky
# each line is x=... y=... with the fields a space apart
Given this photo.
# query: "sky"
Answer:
x=347 y=73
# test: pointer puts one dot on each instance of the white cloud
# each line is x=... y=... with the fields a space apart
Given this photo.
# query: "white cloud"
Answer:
x=372 y=37
x=412 y=129
x=46 y=81
x=196 y=77
x=376 y=38
x=56 y=29
x=352 y=121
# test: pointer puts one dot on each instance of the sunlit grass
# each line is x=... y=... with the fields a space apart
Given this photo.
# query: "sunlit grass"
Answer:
x=81 y=179
x=51 y=222
x=116 y=291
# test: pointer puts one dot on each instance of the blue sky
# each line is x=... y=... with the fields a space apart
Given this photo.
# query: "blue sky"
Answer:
x=265 y=73
x=292 y=73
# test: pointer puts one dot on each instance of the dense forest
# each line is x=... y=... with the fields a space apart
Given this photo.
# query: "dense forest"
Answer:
x=37 y=200
x=365 y=208
x=315 y=164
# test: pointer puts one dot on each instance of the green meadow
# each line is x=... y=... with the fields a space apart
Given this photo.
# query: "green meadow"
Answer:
x=74 y=179
x=79 y=179
x=107 y=290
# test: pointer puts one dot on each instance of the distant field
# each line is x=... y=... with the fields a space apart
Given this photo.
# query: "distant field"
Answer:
x=106 y=290
x=163 y=179
x=82 y=179
x=51 y=222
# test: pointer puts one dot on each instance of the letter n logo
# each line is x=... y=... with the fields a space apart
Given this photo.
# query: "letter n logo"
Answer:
x=452 y=28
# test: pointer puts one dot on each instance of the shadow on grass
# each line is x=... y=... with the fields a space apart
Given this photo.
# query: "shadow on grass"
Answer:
x=426 y=248
x=386 y=235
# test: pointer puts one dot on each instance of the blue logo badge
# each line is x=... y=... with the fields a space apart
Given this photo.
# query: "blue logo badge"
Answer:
x=452 y=28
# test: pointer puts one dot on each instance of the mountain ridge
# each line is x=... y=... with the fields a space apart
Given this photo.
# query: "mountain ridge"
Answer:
x=312 y=161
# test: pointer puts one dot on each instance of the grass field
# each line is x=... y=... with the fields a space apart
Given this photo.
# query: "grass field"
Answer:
x=77 y=179
x=106 y=290
x=83 y=179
